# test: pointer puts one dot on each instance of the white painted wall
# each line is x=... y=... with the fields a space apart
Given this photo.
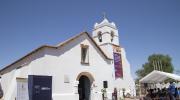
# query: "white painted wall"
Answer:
x=58 y=61
x=64 y=61
x=9 y=78
x=127 y=81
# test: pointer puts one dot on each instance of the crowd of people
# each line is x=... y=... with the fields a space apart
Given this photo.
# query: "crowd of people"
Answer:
x=170 y=93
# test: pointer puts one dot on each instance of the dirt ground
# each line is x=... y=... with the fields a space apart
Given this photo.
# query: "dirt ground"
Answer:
x=131 y=99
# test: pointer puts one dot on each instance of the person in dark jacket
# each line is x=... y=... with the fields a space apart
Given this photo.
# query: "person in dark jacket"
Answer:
x=171 y=91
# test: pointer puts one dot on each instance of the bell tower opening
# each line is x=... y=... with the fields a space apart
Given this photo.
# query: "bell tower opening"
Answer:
x=99 y=36
x=112 y=36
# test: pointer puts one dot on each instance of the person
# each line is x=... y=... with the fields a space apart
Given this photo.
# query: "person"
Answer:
x=160 y=94
x=148 y=96
x=178 y=93
x=114 y=94
x=154 y=93
x=171 y=91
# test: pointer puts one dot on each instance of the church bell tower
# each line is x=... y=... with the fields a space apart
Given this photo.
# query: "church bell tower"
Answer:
x=106 y=36
x=105 y=33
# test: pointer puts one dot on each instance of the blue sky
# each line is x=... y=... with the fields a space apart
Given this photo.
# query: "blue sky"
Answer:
x=145 y=26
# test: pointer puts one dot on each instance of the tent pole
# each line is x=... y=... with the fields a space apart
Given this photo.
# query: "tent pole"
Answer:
x=140 y=89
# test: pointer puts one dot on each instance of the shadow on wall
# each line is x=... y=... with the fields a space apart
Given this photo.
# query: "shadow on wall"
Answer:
x=1 y=92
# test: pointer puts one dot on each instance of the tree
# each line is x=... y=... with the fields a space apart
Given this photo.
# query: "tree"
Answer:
x=156 y=62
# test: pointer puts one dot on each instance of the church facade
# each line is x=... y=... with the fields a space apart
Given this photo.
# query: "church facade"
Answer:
x=80 y=68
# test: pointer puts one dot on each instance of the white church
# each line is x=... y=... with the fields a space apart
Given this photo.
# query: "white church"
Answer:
x=79 y=68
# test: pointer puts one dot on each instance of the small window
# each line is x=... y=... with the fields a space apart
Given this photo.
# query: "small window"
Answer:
x=112 y=36
x=84 y=54
x=100 y=36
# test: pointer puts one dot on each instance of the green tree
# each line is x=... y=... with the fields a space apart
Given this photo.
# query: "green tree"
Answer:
x=156 y=61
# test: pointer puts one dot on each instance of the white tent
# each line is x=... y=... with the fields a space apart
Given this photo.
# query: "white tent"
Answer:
x=158 y=76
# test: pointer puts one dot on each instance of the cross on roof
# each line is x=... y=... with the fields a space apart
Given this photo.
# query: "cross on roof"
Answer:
x=104 y=15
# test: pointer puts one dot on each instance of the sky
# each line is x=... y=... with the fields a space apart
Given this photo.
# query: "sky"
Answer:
x=145 y=26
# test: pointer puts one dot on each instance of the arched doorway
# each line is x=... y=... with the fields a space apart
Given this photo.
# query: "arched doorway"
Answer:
x=84 y=88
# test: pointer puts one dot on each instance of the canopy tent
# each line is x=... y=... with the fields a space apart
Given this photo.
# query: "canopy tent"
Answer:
x=158 y=76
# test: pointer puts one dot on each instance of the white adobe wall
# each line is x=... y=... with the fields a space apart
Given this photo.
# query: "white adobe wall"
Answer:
x=108 y=49
x=67 y=61
x=8 y=79
x=60 y=62
x=127 y=82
